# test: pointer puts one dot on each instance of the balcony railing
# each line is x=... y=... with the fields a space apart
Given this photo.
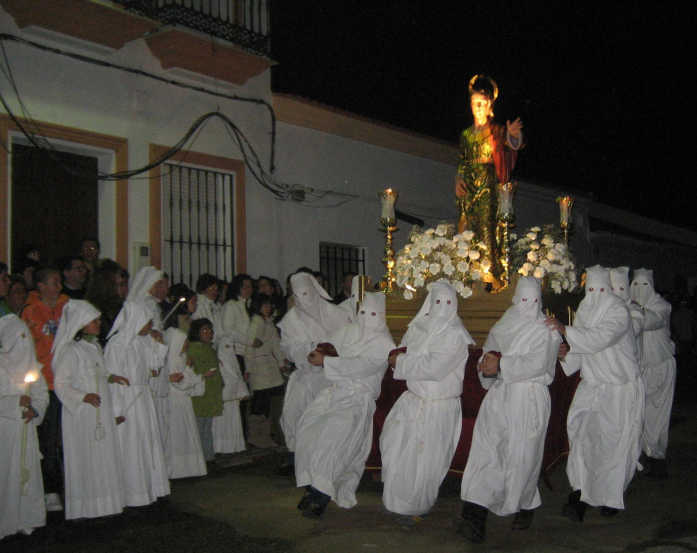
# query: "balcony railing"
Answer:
x=242 y=22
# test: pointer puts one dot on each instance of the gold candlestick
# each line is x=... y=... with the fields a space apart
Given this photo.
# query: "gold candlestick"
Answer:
x=389 y=222
x=388 y=279
x=565 y=222
x=506 y=219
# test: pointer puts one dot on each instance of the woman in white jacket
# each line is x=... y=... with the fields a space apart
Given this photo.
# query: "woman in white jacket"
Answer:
x=264 y=366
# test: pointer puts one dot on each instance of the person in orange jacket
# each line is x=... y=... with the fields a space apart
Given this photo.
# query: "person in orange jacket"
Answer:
x=42 y=314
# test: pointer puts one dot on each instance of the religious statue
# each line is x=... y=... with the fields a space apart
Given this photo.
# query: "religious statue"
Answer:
x=488 y=154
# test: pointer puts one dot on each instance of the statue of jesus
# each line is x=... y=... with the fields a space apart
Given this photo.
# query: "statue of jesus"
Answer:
x=488 y=154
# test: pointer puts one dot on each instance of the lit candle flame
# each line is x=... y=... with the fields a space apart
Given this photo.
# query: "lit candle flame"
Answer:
x=31 y=377
x=182 y=299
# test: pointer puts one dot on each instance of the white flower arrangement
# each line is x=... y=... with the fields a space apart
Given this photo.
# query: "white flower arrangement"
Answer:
x=436 y=254
x=541 y=252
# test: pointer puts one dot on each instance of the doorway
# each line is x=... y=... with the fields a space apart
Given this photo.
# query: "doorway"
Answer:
x=54 y=201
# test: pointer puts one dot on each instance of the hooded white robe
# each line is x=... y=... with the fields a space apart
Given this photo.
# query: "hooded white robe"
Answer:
x=18 y=359
x=184 y=450
x=211 y=310
x=335 y=433
x=228 y=434
x=421 y=432
x=142 y=458
x=311 y=321
x=619 y=278
x=658 y=363
x=93 y=484
x=509 y=436
x=605 y=418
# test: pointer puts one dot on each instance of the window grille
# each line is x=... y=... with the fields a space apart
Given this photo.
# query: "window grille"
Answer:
x=197 y=223
x=337 y=259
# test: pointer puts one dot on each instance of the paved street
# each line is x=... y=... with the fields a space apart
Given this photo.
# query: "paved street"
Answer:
x=246 y=507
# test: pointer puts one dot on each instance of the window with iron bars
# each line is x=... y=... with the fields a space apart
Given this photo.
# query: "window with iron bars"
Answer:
x=198 y=223
x=337 y=259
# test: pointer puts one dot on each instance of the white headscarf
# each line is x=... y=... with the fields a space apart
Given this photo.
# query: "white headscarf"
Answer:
x=143 y=282
x=619 y=278
x=598 y=299
x=174 y=339
x=642 y=289
x=17 y=351
x=131 y=320
x=76 y=314
x=437 y=314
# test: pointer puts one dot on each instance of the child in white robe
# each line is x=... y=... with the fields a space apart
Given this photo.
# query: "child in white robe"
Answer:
x=422 y=430
x=133 y=353
x=336 y=432
x=228 y=433
x=22 y=504
x=93 y=484
x=185 y=453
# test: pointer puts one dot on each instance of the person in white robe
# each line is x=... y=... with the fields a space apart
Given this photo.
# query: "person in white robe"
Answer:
x=148 y=289
x=22 y=503
x=228 y=433
x=421 y=432
x=312 y=320
x=132 y=352
x=335 y=434
x=605 y=418
x=518 y=363
x=659 y=370
x=184 y=452
x=619 y=278
x=93 y=484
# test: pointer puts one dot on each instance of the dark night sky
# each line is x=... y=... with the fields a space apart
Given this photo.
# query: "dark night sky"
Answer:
x=602 y=89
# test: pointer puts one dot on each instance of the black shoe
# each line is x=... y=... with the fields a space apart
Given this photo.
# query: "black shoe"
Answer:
x=608 y=511
x=473 y=531
x=523 y=519
x=286 y=469
x=575 y=509
x=314 y=511
x=304 y=502
x=658 y=469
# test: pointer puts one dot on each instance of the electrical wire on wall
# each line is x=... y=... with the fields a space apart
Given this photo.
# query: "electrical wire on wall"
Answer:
x=303 y=195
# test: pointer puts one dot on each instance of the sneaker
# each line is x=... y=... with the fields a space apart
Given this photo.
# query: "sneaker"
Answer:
x=53 y=502
x=314 y=511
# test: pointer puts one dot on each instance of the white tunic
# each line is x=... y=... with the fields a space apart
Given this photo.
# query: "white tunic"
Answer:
x=508 y=440
x=421 y=432
x=93 y=483
x=184 y=451
x=264 y=364
x=605 y=418
x=228 y=434
x=17 y=358
x=142 y=458
x=335 y=433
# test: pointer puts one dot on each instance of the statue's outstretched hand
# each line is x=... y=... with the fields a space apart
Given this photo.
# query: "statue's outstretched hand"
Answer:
x=515 y=128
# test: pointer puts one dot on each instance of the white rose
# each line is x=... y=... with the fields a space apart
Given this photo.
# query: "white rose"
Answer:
x=513 y=236
x=468 y=235
x=466 y=292
x=474 y=255
x=408 y=294
x=539 y=273
x=418 y=282
x=532 y=257
x=448 y=269
x=531 y=235
x=534 y=246
x=476 y=275
x=434 y=268
x=429 y=286
x=441 y=230
x=463 y=266
x=535 y=229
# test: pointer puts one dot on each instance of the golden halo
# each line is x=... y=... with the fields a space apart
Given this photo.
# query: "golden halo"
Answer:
x=493 y=84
